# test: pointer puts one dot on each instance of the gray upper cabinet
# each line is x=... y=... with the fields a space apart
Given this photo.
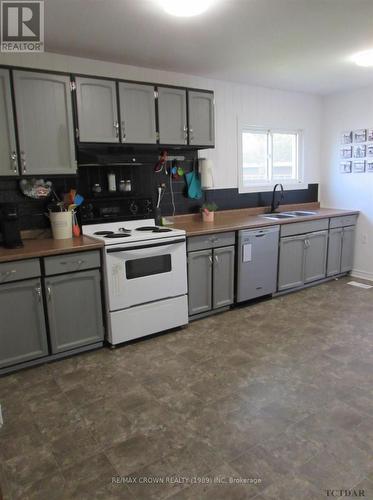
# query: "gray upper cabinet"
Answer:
x=137 y=113
x=45 y=123
x=74 y=322
x=22 y=333
x=172 y=116
x=316 y=245
x=223 y=277
x=291 y=264
x=348 y=243
x=201 y=118
x=97 y=110
x=8 y=148
x=200 y=281
x=334 y=251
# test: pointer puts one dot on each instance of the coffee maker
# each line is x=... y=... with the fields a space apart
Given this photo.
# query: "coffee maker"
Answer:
x=9 y=225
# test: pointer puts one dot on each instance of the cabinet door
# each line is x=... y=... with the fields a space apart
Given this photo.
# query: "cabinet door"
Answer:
x=315 y=256
x=334 y=251
x=348 y=243
x=45 y=123
x=97 y=110
x=223 y=277
x=22 y=334
x=74 y=310
x=172 y=116
x=137 y=113
x=8 y=148
x=201 y=118
x=291 y=264
x=199 y=281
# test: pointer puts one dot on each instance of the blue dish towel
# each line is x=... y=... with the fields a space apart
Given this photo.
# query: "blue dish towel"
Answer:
x=194 y=185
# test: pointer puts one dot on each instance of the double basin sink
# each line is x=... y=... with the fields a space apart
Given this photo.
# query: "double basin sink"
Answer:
x=288 y=215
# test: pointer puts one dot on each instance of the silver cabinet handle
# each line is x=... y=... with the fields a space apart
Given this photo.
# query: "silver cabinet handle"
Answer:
x=6 y=274
x=38 y=293
x=185 y=134
x=191 y=135
x=123 y=132
x=23 y=162
x=210 y=259
x=49 y=293
x=13 y=157
x=78 y=262
x=116 y=126
x=216 y=259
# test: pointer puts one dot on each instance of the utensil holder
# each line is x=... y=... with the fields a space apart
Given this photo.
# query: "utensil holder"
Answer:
x=62 y=225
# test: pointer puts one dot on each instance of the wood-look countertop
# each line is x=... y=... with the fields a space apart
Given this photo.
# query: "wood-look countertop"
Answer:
x=48 y=246
x=249 y=218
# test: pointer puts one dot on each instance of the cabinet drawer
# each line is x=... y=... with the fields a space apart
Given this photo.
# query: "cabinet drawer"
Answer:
x=304 y=227
x=19 y=270
x=72 y=262
x=211 y=241
x=347 y=220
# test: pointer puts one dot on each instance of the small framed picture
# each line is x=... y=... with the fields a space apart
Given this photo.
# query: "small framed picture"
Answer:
x=370 y=166
x=360 y=135
x=346 y=152
x=346 y=137
x=345 y=167
x=360 y=151
x=359 y=167
x=370 y=150
x=370 y=134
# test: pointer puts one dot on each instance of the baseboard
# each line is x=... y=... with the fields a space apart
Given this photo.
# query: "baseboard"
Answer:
x=364 y=275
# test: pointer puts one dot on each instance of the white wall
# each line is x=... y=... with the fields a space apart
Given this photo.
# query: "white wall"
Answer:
x=349 y=111
x=252 y=105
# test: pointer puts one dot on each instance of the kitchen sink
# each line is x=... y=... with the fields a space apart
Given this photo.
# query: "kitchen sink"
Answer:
x=278 y=216
x=288 y=215
x=300 y=213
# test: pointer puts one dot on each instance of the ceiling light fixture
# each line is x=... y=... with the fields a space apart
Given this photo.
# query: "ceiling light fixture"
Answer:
x=185 y=8
x=364 y=59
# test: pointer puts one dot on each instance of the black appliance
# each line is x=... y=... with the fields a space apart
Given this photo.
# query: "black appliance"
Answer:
x=9 y=225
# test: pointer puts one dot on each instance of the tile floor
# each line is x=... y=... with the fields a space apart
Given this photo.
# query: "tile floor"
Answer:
x=280 y=391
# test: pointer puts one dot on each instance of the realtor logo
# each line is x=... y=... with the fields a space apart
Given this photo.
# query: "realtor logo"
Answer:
x=22 y=26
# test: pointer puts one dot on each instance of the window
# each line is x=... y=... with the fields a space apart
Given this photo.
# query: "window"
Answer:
x=269 y=156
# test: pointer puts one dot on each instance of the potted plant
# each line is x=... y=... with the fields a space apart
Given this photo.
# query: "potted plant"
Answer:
x=208 y=210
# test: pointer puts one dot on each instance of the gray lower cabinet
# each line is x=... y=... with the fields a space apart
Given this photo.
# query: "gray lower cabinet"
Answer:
x=8 y=148
x=137 y=112
x=291 y=263
x=45 y=123
x=201 y=118
x=74 y=310
x=172 y=116
x=210 y=275
x=334 y=251
x=348 y=243
x=23 y=334
x=97 y=110
x=200 y=281
x=341 y=250
x=223 y=277
x=316 y=247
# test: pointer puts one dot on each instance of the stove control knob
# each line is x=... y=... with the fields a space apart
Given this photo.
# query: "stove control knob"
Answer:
x=134 y=208
x=148 y=203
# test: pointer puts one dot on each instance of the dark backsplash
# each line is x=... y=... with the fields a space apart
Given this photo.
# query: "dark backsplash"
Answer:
x=139 y=168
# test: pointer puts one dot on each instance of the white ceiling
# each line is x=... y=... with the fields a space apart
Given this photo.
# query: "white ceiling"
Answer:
x=300 y=45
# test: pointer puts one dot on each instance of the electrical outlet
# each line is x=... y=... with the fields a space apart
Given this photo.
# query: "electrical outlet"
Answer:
x=1 y=418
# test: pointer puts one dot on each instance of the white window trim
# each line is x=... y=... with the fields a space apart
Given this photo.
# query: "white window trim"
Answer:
x=261 y=186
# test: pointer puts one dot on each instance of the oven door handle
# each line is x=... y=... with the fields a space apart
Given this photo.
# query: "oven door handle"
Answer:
x=141 y=247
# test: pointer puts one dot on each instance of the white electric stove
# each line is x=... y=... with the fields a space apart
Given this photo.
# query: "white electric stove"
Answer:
x=145 y=277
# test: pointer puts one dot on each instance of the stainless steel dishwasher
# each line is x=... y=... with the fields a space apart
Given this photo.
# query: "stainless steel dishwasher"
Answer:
x=257 y=262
